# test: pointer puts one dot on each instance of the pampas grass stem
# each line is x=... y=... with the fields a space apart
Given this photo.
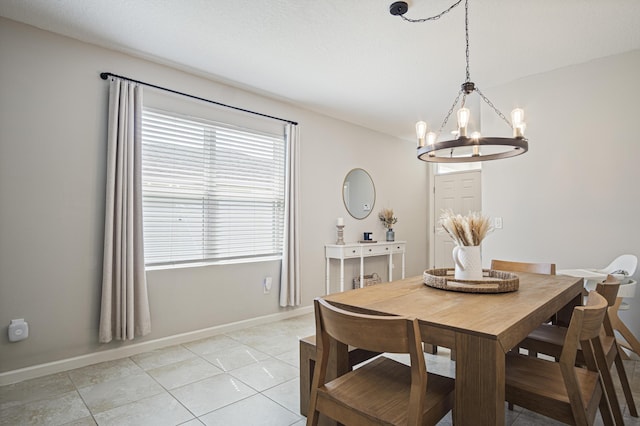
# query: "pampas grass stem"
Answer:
x=467 y=230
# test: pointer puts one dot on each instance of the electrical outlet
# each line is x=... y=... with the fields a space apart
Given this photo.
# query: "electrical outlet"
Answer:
x=266 y=285
x=18 y=330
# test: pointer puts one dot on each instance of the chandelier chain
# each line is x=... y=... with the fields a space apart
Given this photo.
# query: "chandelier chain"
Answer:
x=497 y=111
x=446 y=118
x=466 y=34
x=435 y=17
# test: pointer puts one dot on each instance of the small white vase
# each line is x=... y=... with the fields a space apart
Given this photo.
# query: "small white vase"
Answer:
x=468 y=263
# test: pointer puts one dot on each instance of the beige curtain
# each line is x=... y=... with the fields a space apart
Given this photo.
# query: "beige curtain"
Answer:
x=290 y=271
x=124 y=310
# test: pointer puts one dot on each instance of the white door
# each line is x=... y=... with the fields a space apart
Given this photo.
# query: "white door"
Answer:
x=460 y=192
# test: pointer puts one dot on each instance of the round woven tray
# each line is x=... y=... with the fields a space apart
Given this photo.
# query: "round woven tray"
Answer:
x=492 y=281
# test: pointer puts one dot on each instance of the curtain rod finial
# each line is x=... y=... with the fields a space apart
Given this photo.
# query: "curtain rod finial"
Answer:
x=104 y=75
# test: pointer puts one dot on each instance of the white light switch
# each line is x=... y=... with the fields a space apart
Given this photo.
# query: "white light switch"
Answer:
x=497 y=223
x=267 y=285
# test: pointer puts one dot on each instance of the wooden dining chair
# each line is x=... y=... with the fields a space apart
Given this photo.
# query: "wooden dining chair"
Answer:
x=535 y=268
x=547 y=339
x=382 y=391
x=561 y=390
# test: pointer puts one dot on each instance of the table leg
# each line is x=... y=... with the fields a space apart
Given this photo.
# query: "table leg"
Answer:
x=390 y=267
x=403 y=265
x=480 y=378
x=341 y=274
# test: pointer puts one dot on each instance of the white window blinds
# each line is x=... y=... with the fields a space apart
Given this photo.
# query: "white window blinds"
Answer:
x=211 y=191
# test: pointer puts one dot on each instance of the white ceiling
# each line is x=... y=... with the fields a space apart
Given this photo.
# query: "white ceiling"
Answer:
x=349 y=59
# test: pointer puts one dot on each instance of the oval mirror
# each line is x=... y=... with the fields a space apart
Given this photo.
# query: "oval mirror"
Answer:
x=358 y=193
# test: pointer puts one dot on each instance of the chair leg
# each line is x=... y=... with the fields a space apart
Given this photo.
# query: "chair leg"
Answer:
x=626 y=388
x=610 y=392
x=605 y=411
x=633 y=343
x=623 y=354
x=621 y=328
x=307 y=364
x=312 y=420
x=430 y=349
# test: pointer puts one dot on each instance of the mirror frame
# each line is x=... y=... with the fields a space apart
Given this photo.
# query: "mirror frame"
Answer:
x=373 y=189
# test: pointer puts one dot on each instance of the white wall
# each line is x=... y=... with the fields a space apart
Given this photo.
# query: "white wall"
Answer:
x=52 y=153
x=573 y=199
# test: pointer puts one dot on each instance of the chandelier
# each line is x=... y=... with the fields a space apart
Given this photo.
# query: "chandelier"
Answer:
x=465 y=146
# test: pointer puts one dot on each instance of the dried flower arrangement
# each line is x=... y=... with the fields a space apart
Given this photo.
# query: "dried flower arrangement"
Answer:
x=467 y=230
x=387 y=218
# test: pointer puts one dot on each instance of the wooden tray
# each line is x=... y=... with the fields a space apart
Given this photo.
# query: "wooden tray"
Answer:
x=492 y=282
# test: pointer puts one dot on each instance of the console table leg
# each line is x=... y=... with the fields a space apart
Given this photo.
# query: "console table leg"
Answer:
x=328 y=284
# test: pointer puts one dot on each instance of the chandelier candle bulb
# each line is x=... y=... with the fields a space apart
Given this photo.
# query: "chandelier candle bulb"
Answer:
x=463 y=121
x=517 y=117
x=518 y=131
x=421 y=130
x=517 y=120
x=431 y=138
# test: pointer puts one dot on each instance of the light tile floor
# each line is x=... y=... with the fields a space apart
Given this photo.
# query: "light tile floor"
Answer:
x=246 y=377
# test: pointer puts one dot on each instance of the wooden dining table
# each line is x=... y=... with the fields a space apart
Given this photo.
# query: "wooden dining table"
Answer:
x=480 y=327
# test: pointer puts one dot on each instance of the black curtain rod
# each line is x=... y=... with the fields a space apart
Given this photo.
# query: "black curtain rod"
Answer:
x=106 y=75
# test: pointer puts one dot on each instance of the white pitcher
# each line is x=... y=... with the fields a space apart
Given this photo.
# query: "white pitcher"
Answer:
x=468 y=263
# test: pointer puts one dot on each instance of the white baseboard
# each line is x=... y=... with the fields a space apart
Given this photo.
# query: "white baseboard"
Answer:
x=15 y=376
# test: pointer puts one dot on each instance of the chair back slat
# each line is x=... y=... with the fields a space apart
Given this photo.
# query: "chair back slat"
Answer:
x=593 y=315
x=609 y=289
x=584 y=333
x=585 y=325
x=371 y=332
x=536 y=268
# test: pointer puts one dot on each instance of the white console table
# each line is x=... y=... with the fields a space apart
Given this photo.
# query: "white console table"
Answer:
x=362 y=250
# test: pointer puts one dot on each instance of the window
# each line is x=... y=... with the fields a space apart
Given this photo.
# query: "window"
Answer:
x=444 y=168
x=211 y=191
